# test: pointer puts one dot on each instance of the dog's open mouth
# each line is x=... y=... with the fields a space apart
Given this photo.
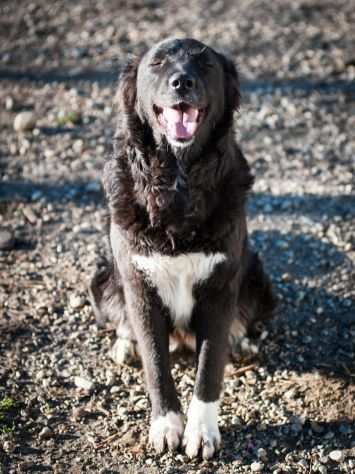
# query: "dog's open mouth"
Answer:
x=180 y=122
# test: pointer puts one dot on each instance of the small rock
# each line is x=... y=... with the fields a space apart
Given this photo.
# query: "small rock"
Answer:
x=76 y=301
x=7 y=241
x=45 y=433
x=48 y=153
x=8 y=446
x=130 y=438
x=262 y=454
x=83 y=383
x=316 y=427
x=24 y=121
x=78 y=413
x=303 y=463
x=9 y=103
x=93 y=187
x=114 y=389
x=25 y=466
x=78 y=146
x=336 y=455
x=110 y=378
x=256 y=466
x=36 y=195
x=30 y=215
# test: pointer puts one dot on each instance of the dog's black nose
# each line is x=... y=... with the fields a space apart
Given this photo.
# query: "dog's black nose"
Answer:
x=179 y=81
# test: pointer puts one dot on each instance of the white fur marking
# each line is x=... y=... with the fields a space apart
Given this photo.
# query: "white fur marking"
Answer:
x=166 y=429
x=174 y=278
x=179 y=144
x=202 y=428
x=115 y=240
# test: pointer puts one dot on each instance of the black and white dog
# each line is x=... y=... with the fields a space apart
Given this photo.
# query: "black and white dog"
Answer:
x=181 y=267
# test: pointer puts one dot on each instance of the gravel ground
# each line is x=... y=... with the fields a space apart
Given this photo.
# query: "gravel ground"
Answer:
x=64 y=406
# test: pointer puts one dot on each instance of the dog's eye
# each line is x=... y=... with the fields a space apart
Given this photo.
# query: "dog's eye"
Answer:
x=156 y=62
x=209 y=65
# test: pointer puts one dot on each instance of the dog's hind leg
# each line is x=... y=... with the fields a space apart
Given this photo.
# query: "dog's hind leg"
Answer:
x=107 y=300
x=255 y=304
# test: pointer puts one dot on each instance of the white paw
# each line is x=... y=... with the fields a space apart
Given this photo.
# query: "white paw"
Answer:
x=167 y=431
x=124 y=351
x=202 y=430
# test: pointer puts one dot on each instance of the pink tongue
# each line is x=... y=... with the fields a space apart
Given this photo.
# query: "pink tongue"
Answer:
x=181 y=124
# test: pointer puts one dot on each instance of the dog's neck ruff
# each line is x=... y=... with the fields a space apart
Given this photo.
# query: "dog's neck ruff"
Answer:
x=175 y=278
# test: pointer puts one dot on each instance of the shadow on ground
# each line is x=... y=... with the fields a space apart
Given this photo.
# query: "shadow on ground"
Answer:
x=260 y=86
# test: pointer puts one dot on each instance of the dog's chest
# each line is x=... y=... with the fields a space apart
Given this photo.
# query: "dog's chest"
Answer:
x=175 y=278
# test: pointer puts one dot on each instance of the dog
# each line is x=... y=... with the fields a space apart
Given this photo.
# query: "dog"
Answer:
x=180 y=267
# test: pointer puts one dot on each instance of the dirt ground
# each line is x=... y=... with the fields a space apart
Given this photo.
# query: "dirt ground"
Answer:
x=64 y=406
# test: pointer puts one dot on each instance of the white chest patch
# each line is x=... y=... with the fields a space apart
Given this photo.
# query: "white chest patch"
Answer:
x=175 y=277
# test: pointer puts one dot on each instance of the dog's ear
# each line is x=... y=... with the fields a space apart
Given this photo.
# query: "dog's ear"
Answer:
x=129 y=126
x=125 y=97
x=232 y=86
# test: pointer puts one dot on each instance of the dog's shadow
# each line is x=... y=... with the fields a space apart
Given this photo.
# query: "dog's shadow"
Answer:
x=245 y=444
x=311 y=337
x=314 y=327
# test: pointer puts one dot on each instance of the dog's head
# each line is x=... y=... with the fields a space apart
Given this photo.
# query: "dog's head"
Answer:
x=182 y=90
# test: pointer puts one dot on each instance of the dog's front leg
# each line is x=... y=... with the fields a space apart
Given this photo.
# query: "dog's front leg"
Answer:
x=150 y=324
x=211 y=323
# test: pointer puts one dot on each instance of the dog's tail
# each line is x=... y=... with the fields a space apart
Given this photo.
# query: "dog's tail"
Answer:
x=256 y=298
x=106 y=294
x=256 y=303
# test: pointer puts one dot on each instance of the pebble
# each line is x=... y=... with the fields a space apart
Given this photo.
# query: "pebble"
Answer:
x=110 y=378
x=7 y=241
x=76 y=301
x=45 y=433
x=9 y=103
x=129 y=438
x=48 y=153
x=78 y=413
x=78 y=146
x=85 y=384
x=256 y=466
x=262 y=454
x=24 y=122
x=336 y=455
x=93 y=187
x=115 y=389
x=25 y=466
x=8 y=446
x=316 y=427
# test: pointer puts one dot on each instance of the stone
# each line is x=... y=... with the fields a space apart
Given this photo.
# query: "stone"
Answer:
x=7 y=241
x=9 y=103
x=45 y=433
x=256 y=466
x=336 y=455
x=76 y=301
x=93 y=187
x=262 y=454
x=83 y=383
x=24 y=122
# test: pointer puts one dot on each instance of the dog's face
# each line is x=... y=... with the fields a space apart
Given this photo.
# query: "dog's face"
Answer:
x=183 y=89
x=178 y=82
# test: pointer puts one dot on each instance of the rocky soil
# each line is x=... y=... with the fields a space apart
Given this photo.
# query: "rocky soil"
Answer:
x=64 y=406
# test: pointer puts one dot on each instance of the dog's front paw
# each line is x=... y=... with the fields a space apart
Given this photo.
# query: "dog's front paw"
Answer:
x=124 y=351
x=202 y=430
x=167 y=431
